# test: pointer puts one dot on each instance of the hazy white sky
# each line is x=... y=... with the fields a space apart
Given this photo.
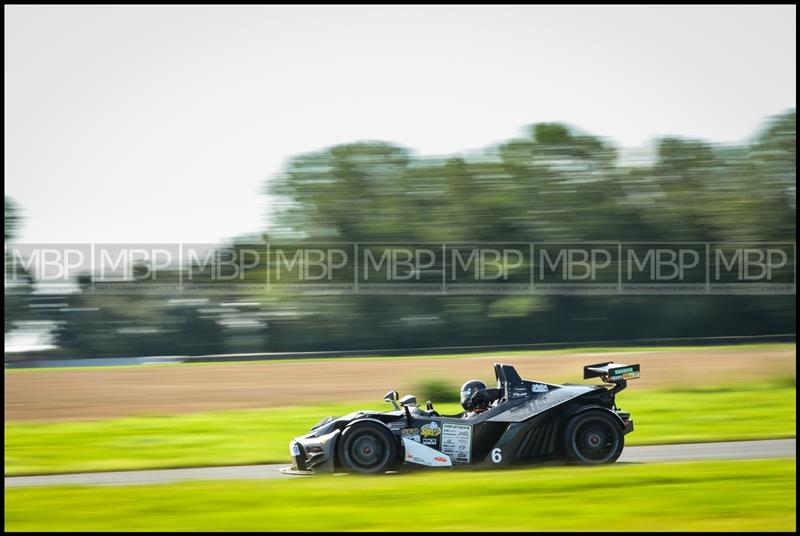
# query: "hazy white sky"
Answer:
x=161 y=124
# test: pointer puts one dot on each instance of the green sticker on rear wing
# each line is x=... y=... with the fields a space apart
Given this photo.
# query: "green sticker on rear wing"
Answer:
x=611 y=371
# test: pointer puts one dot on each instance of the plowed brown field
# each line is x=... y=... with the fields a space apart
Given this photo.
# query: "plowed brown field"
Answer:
x=110 y=392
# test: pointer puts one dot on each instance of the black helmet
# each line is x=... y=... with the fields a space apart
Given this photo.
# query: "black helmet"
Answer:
x=469 y=389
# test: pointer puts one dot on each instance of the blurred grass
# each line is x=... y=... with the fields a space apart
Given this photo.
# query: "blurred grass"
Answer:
x=496 y=353
x=698 y=496
x=728 y=412
x=744 y=410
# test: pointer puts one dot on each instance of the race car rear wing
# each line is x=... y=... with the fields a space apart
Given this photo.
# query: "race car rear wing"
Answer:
x=611 y=372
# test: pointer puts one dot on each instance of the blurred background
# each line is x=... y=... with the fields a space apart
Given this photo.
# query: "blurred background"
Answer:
x=243 y=126
x=554 y=184
x=231 y=128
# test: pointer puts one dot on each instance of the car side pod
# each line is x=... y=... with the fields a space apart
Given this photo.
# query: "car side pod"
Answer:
x=422 y=455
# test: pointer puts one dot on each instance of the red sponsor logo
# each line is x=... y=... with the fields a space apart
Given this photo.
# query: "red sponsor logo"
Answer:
x=440 y=459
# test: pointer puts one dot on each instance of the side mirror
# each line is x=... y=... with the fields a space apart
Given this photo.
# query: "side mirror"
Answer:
x=408 y=400
x=392 y=397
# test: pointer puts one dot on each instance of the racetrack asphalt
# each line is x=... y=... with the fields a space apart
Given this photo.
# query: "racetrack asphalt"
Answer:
x=733 y=450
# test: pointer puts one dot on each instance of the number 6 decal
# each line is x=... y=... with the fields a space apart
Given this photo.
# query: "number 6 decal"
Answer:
x=497 y=455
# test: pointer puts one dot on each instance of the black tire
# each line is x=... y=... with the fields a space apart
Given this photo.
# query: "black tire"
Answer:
x=367 y=447
x=593 y=437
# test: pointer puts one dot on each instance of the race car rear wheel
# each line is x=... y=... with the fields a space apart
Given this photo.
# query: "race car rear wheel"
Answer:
x=367 y=447
x=593 y=437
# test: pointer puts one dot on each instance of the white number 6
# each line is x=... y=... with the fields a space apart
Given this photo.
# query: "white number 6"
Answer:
x=497 y=456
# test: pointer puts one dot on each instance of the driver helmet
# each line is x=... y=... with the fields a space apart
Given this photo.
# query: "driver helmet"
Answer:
x=469 y=389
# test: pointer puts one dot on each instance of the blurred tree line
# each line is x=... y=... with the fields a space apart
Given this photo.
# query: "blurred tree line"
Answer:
x=555 y=184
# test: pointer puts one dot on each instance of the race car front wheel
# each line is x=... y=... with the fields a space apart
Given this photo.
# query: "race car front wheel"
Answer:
x=593 y=437
x=367 y=447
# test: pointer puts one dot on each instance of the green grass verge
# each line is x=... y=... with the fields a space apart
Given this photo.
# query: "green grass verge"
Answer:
x=508 y=354
x=741 y=411
x=698 y=496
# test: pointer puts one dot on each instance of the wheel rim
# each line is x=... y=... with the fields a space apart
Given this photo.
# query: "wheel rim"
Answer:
x=595 y=440
x=367 y=451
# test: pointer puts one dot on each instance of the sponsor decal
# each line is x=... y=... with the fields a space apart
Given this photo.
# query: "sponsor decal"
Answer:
x=538 y=388
x=429 y=441
x=516 y=393
x=424 y=455
x=626 y=376
x=457 y=441
x=622 y=370
x=431 y=430
x=413 y=437
x=412 y=434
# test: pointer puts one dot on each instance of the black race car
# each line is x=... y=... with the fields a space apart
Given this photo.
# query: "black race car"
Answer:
x=524 y=421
